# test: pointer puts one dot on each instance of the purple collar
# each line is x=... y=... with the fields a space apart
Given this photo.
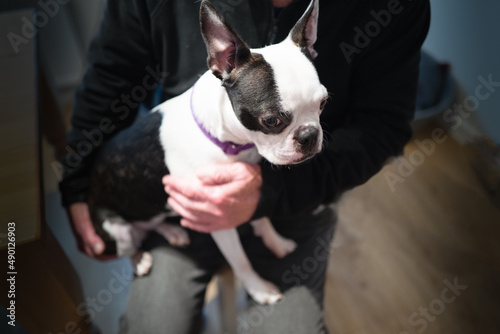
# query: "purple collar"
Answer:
x=228 y=147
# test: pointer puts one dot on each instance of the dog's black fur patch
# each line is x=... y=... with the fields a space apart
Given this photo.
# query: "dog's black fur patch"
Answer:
x=126 y=177
x=254 y=95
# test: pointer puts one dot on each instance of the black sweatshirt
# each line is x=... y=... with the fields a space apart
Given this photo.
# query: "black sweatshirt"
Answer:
x=368 y=59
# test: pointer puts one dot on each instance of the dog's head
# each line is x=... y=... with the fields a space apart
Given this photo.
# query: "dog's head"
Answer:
x=275 y=91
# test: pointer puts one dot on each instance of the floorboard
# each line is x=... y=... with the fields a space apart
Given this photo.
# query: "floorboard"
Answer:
x=398 y=249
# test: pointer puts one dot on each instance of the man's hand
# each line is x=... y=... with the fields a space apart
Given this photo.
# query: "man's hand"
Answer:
x=218 y=197
x=87 y=240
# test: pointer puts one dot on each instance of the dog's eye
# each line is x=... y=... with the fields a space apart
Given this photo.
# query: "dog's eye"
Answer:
x=271 y=122
x=323 y=104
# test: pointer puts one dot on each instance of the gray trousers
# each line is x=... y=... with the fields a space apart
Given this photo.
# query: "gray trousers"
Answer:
x=170 y=299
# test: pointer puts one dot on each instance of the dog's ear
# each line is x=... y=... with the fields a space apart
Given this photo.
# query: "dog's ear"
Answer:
x=304 y=33
x=226 y=50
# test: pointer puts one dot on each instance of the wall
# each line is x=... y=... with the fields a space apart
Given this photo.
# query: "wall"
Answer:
x=466 y=34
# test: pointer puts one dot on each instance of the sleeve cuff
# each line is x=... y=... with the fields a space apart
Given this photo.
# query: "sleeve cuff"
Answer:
x=71 y=194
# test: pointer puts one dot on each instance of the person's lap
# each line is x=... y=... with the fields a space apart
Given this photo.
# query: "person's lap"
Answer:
x=170 y=299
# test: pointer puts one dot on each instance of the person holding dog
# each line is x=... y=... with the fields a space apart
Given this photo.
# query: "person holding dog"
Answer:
x=368 y=58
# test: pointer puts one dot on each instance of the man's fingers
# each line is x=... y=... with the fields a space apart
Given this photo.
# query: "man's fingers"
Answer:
x=88 y=250
x=211 y=176
x=197 y=227
x=87 y=240
x=183 y=186
x=91 y=243
x=94 y=247
x=97 y=244
x=218 y=197
x=186 y=213
x=90 y=239
x=192 y=204
x=226 y=173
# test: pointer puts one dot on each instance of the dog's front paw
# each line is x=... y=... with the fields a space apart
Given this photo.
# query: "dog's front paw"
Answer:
x=280 y=246
x=141 y=263
x=277 y=244
x=176 y=235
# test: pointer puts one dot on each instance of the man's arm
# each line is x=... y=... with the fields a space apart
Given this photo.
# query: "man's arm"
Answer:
x=383 y=102
x=118 y=60
x=382 y=106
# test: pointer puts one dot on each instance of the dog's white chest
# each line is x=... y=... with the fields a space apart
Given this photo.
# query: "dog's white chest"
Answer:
x=186 y=147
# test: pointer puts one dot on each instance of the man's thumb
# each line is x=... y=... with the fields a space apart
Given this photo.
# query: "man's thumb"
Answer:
x=96 y=244
x=216 y=175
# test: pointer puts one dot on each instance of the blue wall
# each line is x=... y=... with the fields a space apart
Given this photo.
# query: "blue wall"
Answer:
x=466 y=34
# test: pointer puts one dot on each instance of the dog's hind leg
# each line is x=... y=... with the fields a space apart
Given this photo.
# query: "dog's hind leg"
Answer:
x=279 y=245
x=127 y=238
x=175 y=234
x=262 y=291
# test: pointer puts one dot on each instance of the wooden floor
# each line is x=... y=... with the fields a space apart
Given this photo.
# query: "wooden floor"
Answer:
x=397 y=250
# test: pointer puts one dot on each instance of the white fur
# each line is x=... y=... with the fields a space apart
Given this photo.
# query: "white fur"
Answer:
x=186 y=146
x=279 y=245
x=187 y=149
x=301 y=93
x=128 y=237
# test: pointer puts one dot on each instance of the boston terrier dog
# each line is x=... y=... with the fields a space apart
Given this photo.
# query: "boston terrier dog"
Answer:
x=251 y=103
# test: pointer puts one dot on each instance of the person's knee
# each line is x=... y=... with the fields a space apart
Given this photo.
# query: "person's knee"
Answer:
x=298 y=312
x=169 y=299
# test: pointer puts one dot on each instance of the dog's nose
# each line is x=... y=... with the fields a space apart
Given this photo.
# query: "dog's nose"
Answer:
x=307 y=138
